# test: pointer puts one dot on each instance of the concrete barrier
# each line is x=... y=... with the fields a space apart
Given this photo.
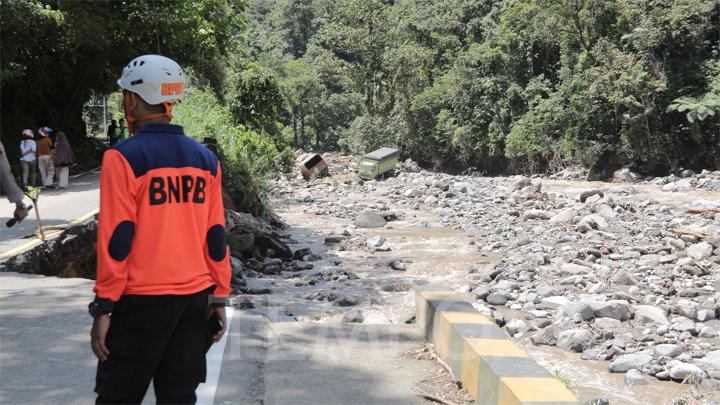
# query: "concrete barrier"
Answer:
x=491 y=367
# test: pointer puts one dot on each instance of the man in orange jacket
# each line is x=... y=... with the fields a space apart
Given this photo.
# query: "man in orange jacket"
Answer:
x=162 y=261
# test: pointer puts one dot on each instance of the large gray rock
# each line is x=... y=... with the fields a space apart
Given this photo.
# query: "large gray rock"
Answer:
x=700 y=251
x=575 y=340
x=556 y=301
x=516 y=325
x=497 y=299
x=711 y=361
x=613 y=309
x=634 y=377
x=574 y=269
x=667 y=350
x=625 y=174
x=622 y=277
x=536 y=214
x=650 y=316
x=369 y=220
x=563 y=216
x=680 y=371
x=629 y=361
x=545 y=337
x=519 y=184
x=708 y=332
x=580 y=311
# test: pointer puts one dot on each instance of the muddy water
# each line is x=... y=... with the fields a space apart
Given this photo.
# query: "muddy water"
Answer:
x=441 y=256
x=590 y=379
x=431 y=255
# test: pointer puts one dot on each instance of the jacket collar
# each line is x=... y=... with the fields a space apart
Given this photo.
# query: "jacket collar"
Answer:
x=154 y=128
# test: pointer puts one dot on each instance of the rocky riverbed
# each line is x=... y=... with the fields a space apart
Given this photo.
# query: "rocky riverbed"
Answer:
x=623 y=273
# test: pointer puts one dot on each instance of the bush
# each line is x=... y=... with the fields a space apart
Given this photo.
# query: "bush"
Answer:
x=367 y=133
x=249 y=157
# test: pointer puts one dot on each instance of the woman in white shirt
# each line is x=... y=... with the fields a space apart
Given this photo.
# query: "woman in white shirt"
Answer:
x=28 y=158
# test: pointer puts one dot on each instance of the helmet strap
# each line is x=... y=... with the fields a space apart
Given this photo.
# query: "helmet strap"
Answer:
x=130 y=103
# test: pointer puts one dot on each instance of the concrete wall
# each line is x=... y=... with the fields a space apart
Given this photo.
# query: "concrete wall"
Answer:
x=492 y=368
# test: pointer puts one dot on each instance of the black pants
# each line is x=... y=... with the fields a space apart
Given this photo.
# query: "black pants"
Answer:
x=160 y=338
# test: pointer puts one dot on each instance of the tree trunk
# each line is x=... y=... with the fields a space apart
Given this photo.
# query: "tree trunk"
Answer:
x=302 y=129
x=295 y=128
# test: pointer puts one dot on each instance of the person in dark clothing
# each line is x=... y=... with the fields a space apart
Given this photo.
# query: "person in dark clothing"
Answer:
x=112 y=132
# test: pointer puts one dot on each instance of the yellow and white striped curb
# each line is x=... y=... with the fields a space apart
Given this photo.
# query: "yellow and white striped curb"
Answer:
x=492 y=368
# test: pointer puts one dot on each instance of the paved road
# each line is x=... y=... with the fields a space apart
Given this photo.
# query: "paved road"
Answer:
x=45 y=357
x=56 y=208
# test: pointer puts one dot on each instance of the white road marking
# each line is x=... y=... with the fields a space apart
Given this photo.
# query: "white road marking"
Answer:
x=206 y=392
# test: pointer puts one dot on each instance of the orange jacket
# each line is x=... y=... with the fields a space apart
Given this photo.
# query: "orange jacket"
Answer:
x=161 y=224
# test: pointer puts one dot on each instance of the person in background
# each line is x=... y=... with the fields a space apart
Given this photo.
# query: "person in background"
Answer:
x=12 y=191
x=122 y=131
x=63 y=159
x=112 y=132
x=44 y=152
x=28 y=159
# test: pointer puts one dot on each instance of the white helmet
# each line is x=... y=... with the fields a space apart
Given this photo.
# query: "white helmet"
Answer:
x=155 y=78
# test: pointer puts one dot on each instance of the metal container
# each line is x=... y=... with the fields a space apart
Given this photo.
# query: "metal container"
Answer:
x=313 y=165
x=378 y=163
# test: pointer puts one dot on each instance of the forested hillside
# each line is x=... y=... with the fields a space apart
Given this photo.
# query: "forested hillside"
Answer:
x=499 y=85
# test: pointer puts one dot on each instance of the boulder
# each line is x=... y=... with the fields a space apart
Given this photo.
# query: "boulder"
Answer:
x=612 y=309
x=578 y=311
x=241 y=243
x=700 y=251
x=545 y=337
x=554 y=301
x=563 y=216
x=575 y=340
x=711 y=361
x=634 y=377
x=630 y=361
x=587 y=194
x=650 y=316
x=369 y=219
x=627 y=175
x=685 y=372
x=516 y=325
x=497 y=299
x=622 y=277
x=667 y=350
x=519 y=184
x=535 y=214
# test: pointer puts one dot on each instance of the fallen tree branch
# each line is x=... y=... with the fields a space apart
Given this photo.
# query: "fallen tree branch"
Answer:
x=448 y=369
x=685 y=231
x=432 y=397
x=702 y=210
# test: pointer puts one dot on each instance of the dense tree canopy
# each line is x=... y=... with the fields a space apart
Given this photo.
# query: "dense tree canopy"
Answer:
x=500 y=84
x=497 y=85
x=56 y=54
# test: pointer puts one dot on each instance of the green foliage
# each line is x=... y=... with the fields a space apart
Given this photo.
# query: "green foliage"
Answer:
x=57 y=54
x=707 y=105
x=250 y=157
x=367 y=133
x=255 y=99
x=482 y=83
